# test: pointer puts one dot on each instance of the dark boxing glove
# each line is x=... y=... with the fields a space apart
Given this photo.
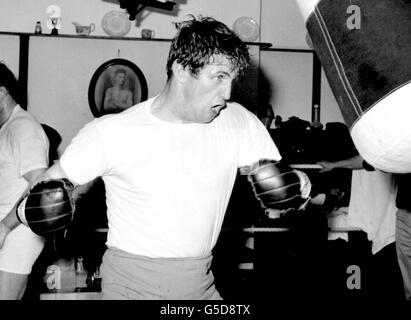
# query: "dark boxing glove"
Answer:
x=277 y=186
x=48 y=207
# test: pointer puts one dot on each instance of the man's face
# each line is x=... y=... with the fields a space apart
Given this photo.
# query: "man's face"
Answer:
x=208 y=92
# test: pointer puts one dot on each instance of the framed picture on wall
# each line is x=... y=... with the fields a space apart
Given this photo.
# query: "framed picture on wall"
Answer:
x=115 y=86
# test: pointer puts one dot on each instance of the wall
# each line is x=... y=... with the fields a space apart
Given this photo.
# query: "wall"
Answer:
x=330 y=112
x=59 y=78
x=9 y=49
x=282 y=24
x=290 y=76
x=60 y=69
x=21 y=15
x=291 y=73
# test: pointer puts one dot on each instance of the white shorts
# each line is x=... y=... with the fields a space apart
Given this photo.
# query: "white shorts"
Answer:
x=20 y=250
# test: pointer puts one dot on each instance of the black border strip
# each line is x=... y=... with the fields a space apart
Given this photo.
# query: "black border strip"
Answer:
x=316 y=93
x=23 y=69
x=288 y=50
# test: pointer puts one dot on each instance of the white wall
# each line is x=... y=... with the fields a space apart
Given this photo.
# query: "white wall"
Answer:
x=21 y=15
x=60 y=69
x=59 y=78
x=330 y=111
x=290 y=75
x=9 y=52
x=282 y=24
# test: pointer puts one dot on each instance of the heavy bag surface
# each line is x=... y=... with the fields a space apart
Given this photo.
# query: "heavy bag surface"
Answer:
x=365 y=49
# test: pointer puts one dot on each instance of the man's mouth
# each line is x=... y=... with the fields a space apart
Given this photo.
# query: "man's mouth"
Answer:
x=217 y=108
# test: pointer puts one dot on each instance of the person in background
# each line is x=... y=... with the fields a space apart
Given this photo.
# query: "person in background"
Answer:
x=403 y=230
x=35 y=278
x=54 y=141
x=24 y=149
x=372 y=208
x=169 y=166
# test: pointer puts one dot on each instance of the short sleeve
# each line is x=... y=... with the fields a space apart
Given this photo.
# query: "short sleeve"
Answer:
x=85 y=158
x=31 y=146
x=256 y=143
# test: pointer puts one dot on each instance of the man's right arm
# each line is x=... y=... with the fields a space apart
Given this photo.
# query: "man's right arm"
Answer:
x=54 y=172
x=10 y=221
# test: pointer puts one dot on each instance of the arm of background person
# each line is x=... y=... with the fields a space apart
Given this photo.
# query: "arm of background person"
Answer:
x=354 y=163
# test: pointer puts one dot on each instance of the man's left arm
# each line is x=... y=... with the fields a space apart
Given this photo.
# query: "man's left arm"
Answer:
x=256 y=145
x=275 y=184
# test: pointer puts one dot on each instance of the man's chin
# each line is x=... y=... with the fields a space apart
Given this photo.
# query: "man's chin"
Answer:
x=213 y=116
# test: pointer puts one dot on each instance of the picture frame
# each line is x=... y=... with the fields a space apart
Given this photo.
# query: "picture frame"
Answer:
x=115 y=86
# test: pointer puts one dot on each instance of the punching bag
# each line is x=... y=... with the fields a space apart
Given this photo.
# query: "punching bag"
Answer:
x=365 y=50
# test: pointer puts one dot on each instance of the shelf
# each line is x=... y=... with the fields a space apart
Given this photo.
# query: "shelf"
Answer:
x=263 y=45
x=71 y=296
x=78 y=36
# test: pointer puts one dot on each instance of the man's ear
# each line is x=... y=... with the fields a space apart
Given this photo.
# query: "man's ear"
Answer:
x=3 y=91
x=179 y=72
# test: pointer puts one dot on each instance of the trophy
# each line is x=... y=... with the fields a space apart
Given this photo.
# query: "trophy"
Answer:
x=54 y=20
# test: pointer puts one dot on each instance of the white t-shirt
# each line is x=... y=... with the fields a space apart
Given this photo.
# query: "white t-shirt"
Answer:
x=372 y=206
x=167 y=184
x=23 y=147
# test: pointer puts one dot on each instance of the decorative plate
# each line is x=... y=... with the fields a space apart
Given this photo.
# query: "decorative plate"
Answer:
x=116 y=23
x=246 y=28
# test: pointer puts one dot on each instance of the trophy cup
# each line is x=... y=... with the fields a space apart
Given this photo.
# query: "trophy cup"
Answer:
x=54 y=19
x=54 y=23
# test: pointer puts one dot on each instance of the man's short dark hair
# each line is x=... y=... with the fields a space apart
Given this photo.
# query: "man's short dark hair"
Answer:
x=8 y=80
x=198 y=40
